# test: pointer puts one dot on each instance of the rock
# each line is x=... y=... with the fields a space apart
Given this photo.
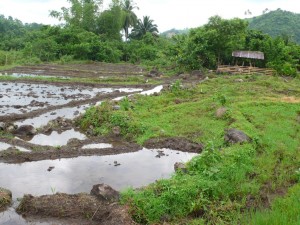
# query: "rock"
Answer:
x=153 y=73
x=11 y=128
x=5 y=198
x=116 y=163
x=116 y=107
x=25 y=130
x=2 y=126
x=235 y=136
x=50 y=168
x=105 y=192
x=184 y=76
x=239 y=80
x=116 y=130
x=73 y=142
x=160 y=154
x=198 y=73
x=221 y=112
x=177 y=101
x=178 y=166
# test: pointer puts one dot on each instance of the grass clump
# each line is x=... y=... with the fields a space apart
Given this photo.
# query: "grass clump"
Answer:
x=103 y=119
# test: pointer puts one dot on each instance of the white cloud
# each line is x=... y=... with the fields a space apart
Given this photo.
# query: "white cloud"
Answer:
x=166 y=14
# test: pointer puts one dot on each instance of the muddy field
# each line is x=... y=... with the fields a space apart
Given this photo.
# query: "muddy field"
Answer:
x=42 y=152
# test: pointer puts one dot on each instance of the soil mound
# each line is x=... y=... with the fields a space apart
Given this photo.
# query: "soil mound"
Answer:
x=78 y=206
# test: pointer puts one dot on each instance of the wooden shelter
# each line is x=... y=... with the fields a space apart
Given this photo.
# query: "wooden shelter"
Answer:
x=246 y=69
x=249 y=54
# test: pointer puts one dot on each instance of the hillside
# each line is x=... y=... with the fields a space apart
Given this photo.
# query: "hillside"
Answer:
x=172 y=32
x=277 y=23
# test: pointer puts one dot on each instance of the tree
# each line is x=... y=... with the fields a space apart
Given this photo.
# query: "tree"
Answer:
x=224 y=36
x=110 y=22
x=130 y=18
x=144 y=26
x=81 y=14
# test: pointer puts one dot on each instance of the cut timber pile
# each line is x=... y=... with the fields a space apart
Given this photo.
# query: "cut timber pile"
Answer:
x=244 y=70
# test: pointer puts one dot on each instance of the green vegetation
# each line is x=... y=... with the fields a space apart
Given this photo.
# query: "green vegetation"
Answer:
x=225 y=181
x=91 y=34
x=284 y=210
x=278 y=23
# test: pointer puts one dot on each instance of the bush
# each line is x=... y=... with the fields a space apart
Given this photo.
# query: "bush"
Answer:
x=102 y=119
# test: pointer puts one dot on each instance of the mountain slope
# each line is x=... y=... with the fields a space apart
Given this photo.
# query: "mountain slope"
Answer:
x=277 y=23
x=172 y=32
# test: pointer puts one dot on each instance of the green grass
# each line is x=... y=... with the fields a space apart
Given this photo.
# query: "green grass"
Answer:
x=221 y=180
x=7 y=67
x=284 y=210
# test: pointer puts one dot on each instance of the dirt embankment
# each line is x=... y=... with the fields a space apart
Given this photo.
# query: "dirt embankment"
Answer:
x=88 y=70
x=73 y=149
x=80 y=208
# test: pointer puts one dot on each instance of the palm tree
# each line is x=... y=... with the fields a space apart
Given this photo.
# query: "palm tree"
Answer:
x=142 y=27
x=129 y=16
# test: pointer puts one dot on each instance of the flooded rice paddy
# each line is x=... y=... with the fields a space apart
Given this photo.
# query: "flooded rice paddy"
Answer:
x=80 y=174
x=23 y=97
x=71 y=175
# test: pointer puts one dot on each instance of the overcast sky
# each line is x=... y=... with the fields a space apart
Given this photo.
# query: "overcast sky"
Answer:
x=167 y=14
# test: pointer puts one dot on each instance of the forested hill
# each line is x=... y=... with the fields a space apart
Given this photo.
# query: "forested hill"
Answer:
x=12 y=30
x=278 y=23
x=172 y=32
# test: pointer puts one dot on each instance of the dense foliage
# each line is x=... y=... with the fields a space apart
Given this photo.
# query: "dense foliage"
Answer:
x=89 y=33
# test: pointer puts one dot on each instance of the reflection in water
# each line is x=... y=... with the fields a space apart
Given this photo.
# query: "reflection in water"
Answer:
x=80 y=174
x=152 y=91
x=149 y=92
x=21 y=75
x=5 y=146
x=44 y=119
x=10 y=217
x=22 y=97
x=97 y=146
x=57 y=139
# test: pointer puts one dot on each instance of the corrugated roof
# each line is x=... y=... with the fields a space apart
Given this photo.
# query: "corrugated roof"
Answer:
x=249 y=54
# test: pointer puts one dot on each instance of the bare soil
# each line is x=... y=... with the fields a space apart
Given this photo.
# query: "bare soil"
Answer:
x=88 y=70
x=83 y=208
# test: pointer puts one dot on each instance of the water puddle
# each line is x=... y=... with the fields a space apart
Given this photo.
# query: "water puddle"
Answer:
x=22 y=75
x=56 y=139
x=157 y=89
x=10 y=217
x=80 y=174
x=44 y=119
x=5 y=146
x=23 y=98
x=153 y=91
x=97 y=146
